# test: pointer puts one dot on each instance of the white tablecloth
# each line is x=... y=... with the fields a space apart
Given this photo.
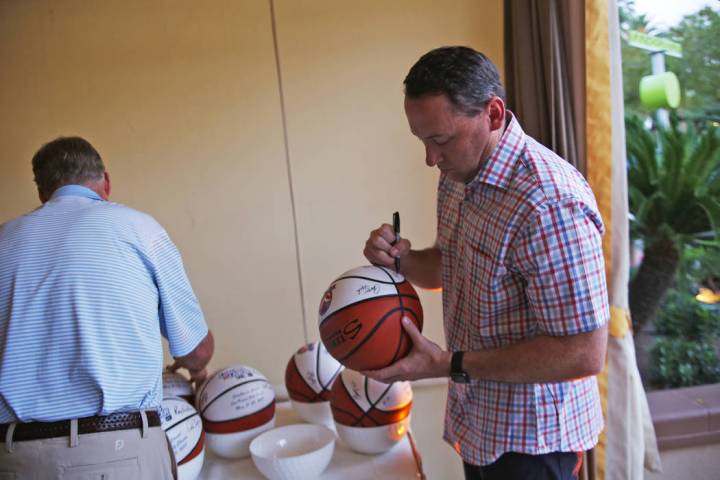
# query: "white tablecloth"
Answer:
x=397 y=463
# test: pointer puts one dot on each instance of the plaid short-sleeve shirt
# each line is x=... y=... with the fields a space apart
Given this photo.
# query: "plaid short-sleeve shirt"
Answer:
x=521 y=257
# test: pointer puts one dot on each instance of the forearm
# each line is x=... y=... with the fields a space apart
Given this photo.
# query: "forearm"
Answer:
x=542 y=359
x=200 y=356
x=423 y=267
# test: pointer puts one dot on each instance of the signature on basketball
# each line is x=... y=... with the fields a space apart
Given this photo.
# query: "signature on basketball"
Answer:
x=365 y=289
x=349 y=331
x=239 y=373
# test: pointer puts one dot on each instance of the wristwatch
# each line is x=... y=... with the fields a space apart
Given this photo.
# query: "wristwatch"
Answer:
x=457 y=374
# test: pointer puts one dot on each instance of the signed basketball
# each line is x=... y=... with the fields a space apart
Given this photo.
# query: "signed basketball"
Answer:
x=360 y=317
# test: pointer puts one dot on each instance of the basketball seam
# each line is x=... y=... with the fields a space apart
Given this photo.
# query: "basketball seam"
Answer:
x=363 y=413
x=342 y=410
x=334 y=376
x=301 y=394
x=364 y=300
x=317 y=369
x=367 y=394
x=302 y=377
x=232 y=388
x=324 y=386
x=402 y=308
x=373 y=406
x=195 y=450
x=305 y=397
x=360 y=277
x=180 y=421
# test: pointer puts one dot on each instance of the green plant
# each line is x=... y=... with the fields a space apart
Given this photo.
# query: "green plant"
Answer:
x=700 y=267
x=686 y=352
x=674 y=194
x=683 y=316
x=677 y=362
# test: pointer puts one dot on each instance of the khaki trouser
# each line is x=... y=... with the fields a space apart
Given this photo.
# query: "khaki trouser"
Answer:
x=118 y=455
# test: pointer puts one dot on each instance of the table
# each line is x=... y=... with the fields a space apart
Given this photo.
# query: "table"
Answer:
x=397 y=463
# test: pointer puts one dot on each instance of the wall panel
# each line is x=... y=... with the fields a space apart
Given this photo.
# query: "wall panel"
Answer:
x=181 y=99
x=352 y=156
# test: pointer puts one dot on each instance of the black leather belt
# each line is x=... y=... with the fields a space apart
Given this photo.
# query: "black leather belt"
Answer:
x=108 y=423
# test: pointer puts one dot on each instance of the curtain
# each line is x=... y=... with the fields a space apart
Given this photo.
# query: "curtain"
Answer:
x=628 y=444
x=564 y=81
x=545 y=73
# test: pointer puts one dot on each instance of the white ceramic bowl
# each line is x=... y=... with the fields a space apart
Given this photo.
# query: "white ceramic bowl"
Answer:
x=372 y=440
x=292 y=452
x=316 y=412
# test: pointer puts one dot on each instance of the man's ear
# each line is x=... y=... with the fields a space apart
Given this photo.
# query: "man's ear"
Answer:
x=496 y=112
x=107 y=187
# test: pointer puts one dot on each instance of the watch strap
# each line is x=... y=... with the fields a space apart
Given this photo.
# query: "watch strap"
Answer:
x=456 y=362
x=457 y=374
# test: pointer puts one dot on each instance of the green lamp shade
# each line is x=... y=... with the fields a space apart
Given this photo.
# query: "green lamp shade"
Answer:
x=660 y=91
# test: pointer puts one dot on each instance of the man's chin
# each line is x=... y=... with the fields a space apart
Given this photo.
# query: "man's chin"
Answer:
x=454 y=176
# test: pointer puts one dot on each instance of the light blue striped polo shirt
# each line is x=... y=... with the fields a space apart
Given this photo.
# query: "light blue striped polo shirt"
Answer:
x=87 y=287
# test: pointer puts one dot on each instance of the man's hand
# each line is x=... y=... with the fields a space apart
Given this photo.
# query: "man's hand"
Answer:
x=421 y=267
x=379 y=248
x=425 y=360
x=196 y=376
x=196 y=361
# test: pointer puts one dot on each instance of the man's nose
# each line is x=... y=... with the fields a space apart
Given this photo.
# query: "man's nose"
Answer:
x=432 y=156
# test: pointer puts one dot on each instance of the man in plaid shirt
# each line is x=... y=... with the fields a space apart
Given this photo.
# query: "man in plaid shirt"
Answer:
x=518 y=256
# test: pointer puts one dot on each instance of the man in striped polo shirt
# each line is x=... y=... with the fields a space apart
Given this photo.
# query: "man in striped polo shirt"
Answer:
x=518 y=256
x=87 y=289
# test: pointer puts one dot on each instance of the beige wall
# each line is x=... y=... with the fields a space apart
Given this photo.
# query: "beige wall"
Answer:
x=181 y=98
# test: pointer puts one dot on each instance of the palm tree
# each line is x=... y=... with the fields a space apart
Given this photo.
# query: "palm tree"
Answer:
x=674 y=194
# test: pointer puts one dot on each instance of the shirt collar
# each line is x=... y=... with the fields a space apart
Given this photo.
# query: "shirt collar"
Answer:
x=497 y=169
x=75 y=191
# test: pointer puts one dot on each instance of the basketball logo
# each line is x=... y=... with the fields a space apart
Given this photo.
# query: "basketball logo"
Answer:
x=326 y=300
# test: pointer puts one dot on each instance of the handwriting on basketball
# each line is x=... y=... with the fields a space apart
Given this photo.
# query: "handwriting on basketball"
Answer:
x=241 y=400
x=239 y=373
x=366 y=289
x=348 y=332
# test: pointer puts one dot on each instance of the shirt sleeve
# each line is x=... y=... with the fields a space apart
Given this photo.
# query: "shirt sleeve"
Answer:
x=181 y=319
x=559 y=254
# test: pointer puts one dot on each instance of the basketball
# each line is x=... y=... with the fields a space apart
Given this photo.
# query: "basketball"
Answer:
x=360 y=317
x=309 y=376
x=183 y=428
x=370 y=416
x=236 y=404
x=177 y=385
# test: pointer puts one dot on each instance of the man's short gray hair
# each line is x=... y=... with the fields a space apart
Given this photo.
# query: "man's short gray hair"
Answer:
x=66 y=161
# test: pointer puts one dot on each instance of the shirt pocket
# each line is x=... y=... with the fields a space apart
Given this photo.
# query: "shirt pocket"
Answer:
x=483 y=285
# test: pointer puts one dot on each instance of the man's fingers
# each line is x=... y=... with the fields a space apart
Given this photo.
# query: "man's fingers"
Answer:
x=198 y=376
x=387 y=233
x=412 y=330
x=400 y=248
x=378 y=245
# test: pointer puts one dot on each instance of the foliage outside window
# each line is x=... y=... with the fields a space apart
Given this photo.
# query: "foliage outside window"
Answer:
x=674 y=199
